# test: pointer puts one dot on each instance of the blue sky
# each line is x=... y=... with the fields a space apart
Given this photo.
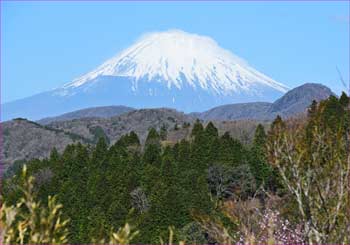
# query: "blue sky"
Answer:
x=46 y=44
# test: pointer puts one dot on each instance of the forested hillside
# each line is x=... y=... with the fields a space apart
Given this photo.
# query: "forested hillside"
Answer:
x=25 y=140
x=290 y=185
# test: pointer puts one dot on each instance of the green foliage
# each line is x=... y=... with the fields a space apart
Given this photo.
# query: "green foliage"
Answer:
x=13 y=168
x=171 y=183
x=152 y=148
x=211 y=131
x=197 y=128
x=331 y=114
x=313 y=160
x=260 y=137
x=98 y=133
x=30 y=221
x=153 y=138
x=130 y=141
x=344 y=100
x=187 y=187
x=230 y=182
x=265 y=174
x=124 y=235
x=229 y=152
x=192 y=233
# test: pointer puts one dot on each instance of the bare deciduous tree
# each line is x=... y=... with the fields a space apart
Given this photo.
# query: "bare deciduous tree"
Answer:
x=318 y=180
x=139 y=200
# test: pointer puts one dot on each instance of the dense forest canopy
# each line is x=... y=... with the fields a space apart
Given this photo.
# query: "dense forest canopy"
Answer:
x=209 y=189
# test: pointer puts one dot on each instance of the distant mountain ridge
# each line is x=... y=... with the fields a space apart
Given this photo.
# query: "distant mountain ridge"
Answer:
x=23 y=139
x=240 y=111
x=294 y=102
x=99 y=112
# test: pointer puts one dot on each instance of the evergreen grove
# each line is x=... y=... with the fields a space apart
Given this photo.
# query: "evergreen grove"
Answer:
x=157 y=186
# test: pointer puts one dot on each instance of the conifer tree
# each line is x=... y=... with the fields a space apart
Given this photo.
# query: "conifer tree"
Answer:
x=260 y=137
x=344 y=100
x=277 y=127
x=211 y=131
x=197 y=129
x=331 y=115
x=262 y=171
x=153 y=138
x=152 y=148
x=134 y=139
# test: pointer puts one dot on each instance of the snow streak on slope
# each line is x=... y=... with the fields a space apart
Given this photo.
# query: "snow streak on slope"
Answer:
x=176 y=57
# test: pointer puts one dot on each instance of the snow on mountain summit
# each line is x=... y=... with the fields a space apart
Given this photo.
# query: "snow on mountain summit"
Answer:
x=178 y=58
x=174 y=69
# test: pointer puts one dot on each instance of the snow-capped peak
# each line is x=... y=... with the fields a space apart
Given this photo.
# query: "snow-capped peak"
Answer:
x=176 y=57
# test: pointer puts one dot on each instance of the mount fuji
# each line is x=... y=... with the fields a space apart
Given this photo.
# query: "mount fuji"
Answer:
x=173 y=69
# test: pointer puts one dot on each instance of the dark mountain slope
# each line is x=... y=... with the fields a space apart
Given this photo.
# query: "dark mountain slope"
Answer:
x=294 y=102
x=237 y=111
x=299 y=99
x=23 y=139
x=100 y=112
x=138 y=120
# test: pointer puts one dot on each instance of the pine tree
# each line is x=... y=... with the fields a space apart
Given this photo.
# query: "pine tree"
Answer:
x=262 y=171
x=197 y=129
x=211 y=131
x=100 y=153
x=260 y=137
x=73 y=188
x=152 y=148
x=231 y=152
x=153 y=138
x=331 y=115
x=134 y=139
x=277 y=128
x=173 y=204
x=344 y=100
